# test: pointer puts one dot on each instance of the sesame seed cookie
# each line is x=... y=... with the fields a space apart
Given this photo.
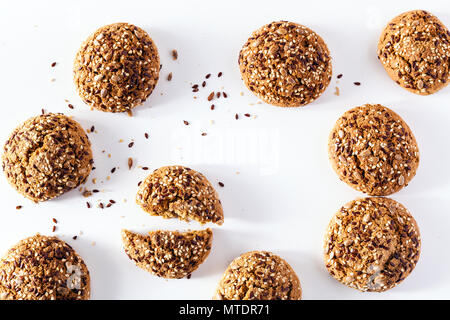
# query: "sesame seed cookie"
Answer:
x=414 y=48
x=373 y=150
x=47 y=156
x=372 y=244
x=285 y=64
x=259 y=275
x=116 y=68
x=43 y=268
x=168 y=254
x=180 y=192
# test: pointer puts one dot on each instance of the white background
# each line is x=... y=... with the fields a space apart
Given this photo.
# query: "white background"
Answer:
x=280 y=191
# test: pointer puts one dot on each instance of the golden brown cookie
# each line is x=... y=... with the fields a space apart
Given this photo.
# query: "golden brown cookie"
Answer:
x=259 y=275
x=180 y=192
x=43 y=268
x=414 y=48
x=373 y=150
x=168 y=254
x=372 y=244
x=116 y=68
x=47 y=156
x=285 y=64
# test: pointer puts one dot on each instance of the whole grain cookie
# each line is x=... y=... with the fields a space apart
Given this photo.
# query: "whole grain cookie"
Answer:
x=285 y=64
x=414 y=48
x=373 y=150
x=47 y=156
x=180 y=192
x=43 y=268
x=372 y=244
x=259 y=275
x=116 y=68
x=168 y=254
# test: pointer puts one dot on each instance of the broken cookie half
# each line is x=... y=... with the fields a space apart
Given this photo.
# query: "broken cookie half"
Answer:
x=180 y=192
x=168 y=254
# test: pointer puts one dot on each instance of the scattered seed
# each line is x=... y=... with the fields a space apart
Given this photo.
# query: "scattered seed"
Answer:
x=113 y=170
x=53 y=64
x=174 y=54
x=130 y=163
x=357 y=83
x=112 y=201
x=169 y=77
x=54 y=220
x=19 y=207
x=139 y=183
x=211 y=96
x=131 y=144
x=186 y=122
x=146 y=135
x=339 y=76
x=109 y=205
x=204 y=134
x=70 y=106
x=92 y=129
x=219 y=74
x=95 y=191
x=203 y=84
x=208 y=75
x=43 y=111
x=236 y=116
x=221 y=184
x=101 y=205
x=74 y=237
x=225 y=95
x=218 y=95
x=88 y=205
x=145 y=168
x=212 y=107
x=248 y=115
x=54 y=229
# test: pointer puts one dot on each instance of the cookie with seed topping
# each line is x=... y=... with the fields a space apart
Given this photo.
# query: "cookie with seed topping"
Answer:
x=180 y=192
x=43 y=268
x=168 y=254
x=373 y=150
x=414 y=49
x=372 y=244
x=116 y=68
x=259 y=275
x=285 y=64
x=47 y=156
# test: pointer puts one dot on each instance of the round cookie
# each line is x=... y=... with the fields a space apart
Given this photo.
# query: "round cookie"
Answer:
x=372 y=244
x=373 y=150
x=168 y=254
x=47 y=156
x=414 y=48
x=116 y=68
x=259 y=275
x=43 y=268
x=180 y=192
x=285 y=64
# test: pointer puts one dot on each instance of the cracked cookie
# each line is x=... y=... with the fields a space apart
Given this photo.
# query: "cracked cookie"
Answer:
x=116 y=68
x=47 y=156
x=285 y=64
x=259 y=275
x=414 y=49
x=372 y=244
x=168 y=254
x=373 y=150
x=180 y=192
x=43 y=268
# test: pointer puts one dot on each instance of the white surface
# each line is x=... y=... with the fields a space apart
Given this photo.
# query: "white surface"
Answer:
x=285 y=192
